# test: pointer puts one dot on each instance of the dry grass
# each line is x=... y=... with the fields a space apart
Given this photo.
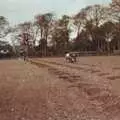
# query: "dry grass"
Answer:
x=56 y=90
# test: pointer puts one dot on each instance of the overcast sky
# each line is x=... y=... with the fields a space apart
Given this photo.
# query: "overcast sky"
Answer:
x=23 y=10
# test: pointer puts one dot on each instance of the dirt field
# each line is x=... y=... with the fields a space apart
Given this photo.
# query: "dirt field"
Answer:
x=51 y=89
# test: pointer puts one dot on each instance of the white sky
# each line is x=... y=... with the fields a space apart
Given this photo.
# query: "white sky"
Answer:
x=24 y=10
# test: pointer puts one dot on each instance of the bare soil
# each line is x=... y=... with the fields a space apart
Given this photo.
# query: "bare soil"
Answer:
x=51 y=89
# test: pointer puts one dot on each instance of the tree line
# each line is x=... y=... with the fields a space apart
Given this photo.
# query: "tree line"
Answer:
x=96 y=28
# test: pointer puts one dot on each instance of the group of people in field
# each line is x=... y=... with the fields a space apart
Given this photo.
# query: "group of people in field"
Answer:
x=70 y=57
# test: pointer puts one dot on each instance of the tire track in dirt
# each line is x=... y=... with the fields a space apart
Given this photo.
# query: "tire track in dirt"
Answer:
x=100 y=98
x=74 y=67
x=62 y=75
x=92 y=69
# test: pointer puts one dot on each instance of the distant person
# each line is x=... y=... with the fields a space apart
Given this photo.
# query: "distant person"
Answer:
x=24 y=55
x=67 y=56
x=70 y=57
x=74 y=56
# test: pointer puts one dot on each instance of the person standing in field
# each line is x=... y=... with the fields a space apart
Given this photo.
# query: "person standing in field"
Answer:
x=25 y=45
x=67 y=56
x=70 y=57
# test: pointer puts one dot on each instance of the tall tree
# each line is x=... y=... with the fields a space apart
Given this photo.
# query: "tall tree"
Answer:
x=116 y=5
x=79 y=21
x=60 y=35
x=107 y=33
x=25 y=37
x=95 y=16
x=44 y=23
x=3 y=25
x=115 y=13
